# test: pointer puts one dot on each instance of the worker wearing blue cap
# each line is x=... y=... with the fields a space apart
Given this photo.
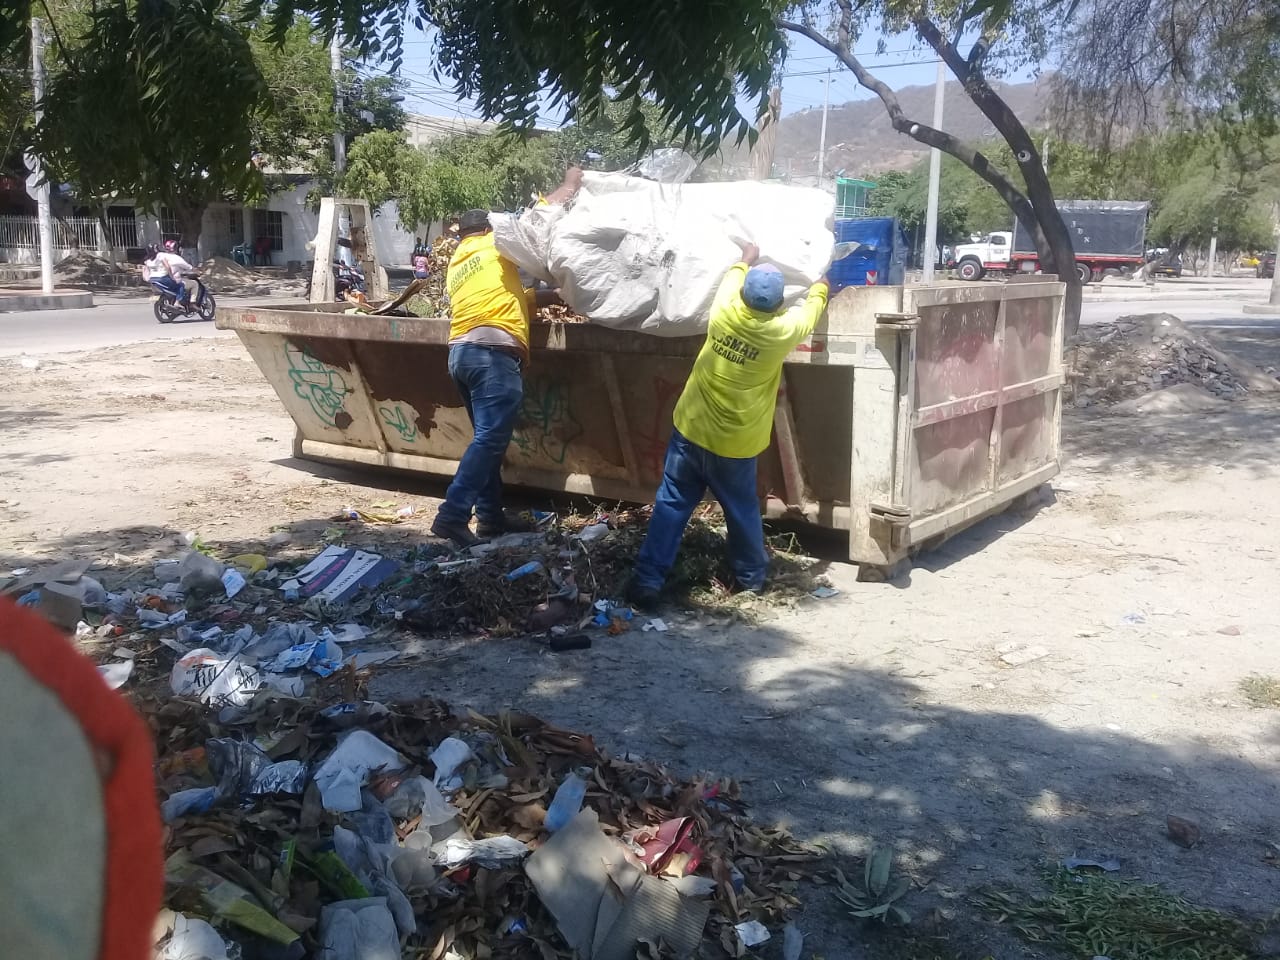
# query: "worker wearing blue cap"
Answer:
x=723 y=421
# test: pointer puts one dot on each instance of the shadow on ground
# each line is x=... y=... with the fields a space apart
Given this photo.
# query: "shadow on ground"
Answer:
x=1246 y=434
x=845 y=753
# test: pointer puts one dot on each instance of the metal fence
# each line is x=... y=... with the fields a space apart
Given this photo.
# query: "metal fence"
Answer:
x=69 y=233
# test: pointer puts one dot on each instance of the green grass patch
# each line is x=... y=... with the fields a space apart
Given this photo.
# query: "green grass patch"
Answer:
x=1098 y=916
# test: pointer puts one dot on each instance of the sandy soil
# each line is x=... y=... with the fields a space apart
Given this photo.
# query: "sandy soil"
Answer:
x=884 y=715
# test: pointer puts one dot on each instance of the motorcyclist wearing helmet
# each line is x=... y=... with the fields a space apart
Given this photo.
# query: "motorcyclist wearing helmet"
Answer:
x=156 y=271
x=176 y=268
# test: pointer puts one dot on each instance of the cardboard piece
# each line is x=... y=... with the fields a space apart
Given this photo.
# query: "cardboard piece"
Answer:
x=69 y=571
x=60 y=604
x=339 y=572
x=603 y=905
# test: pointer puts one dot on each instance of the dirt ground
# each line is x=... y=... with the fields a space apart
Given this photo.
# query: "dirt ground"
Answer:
x=884 y=715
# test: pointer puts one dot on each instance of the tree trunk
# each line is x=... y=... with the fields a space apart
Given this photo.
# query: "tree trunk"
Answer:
x=1035 y=208
x=1061 y=258
x=1274 y=299
x=108 y=247
x=190 y=216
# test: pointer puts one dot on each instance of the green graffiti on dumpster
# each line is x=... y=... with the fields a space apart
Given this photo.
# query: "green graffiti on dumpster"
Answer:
x=323 y=387
x=547 y=424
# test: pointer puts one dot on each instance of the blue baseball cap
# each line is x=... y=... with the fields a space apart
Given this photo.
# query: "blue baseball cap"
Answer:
x=762 y=290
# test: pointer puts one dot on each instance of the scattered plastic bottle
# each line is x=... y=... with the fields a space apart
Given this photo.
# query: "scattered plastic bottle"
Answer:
x=567 y=802
x=346 y=512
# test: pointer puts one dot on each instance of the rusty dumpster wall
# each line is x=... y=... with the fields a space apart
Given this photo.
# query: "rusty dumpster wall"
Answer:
x=987 y=381
x=594 y=421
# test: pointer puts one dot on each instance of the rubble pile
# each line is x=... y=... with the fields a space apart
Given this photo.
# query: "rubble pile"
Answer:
x=1135 y=355
x=82 y=267
x=305 y=820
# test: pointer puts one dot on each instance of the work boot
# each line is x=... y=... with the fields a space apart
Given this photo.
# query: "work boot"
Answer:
x=511 y=522
x=644 y=599
x=459 y=533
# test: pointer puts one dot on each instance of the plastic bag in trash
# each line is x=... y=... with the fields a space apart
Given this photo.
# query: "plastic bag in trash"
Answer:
x=286 y=776
x=493 y=853
x=194 y=939
x=235 y=764
x=358 y=930
x=279 y=637
x=215 y=678
x=183 y=802
x=418 y=797
x=347 y=769
x=448 y=757
x=371 y=863
x=115 y=674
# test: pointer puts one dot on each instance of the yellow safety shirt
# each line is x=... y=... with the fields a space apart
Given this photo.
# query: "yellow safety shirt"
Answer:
x=484 y=291
x=728 y=402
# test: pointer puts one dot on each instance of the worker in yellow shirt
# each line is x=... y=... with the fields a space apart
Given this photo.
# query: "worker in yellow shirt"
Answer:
x=488 y=347
x=723 y=421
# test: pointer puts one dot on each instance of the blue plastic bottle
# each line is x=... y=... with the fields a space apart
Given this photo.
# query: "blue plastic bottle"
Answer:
x=567 y=802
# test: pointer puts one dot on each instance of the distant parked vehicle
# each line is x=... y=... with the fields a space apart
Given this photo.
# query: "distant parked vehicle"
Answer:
x=1165 y=266
x=1267 y=265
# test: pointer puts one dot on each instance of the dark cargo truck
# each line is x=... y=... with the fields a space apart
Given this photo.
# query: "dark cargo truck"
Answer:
x=1108 y=237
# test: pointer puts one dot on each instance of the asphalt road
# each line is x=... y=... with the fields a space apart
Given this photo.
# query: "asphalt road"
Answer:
x=113 y=319
x=123 y=318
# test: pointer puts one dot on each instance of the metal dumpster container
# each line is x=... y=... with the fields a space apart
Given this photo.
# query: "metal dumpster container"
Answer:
x=909 y=414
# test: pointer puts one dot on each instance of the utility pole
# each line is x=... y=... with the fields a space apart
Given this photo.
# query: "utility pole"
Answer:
x=822 y=140
x=1213 y=246
x=339 y=139
x=935 y=179
x=37 y=178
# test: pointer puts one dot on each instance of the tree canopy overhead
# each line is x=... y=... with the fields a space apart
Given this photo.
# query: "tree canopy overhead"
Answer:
x=510 y=56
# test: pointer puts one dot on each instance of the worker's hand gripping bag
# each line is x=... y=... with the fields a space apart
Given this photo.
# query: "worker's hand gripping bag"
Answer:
x=81 y=868
x=637 y=254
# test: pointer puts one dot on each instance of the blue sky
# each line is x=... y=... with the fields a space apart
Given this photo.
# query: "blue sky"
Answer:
x=905 y=62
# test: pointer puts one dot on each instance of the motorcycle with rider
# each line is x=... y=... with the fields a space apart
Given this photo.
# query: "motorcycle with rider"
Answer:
x=179 y=290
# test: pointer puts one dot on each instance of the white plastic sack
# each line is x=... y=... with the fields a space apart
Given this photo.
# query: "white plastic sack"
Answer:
x=215 y=678
x=193 y=939
x=638 y=255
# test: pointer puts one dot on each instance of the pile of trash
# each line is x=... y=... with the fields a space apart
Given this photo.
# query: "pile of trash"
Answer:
x=338 y=829
x=221 y=631
x=430 y=300
x=1135 y=355
x=305 y=820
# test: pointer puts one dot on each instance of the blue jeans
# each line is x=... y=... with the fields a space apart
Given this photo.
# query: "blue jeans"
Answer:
x=170 y=285
x=492 y=391
x=688 y=472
